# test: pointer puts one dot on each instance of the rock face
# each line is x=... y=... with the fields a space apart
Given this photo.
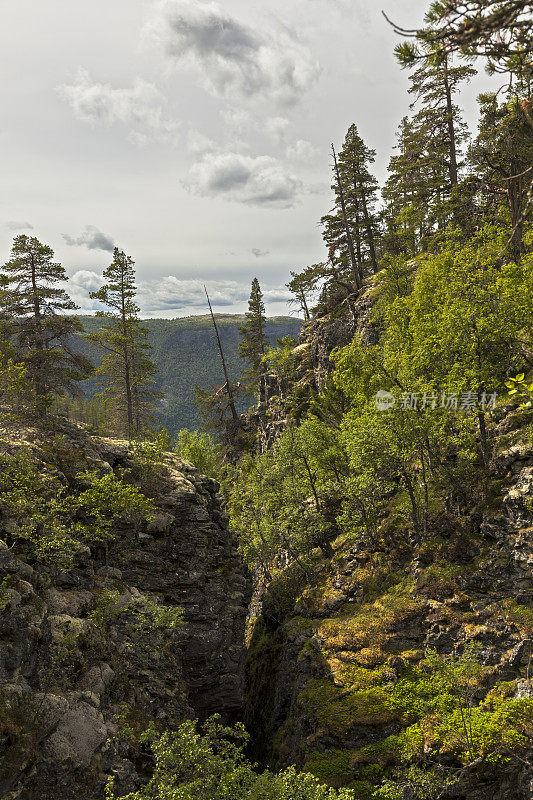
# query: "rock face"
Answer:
x=91 y=655
x=331 y=645
x=279 y=398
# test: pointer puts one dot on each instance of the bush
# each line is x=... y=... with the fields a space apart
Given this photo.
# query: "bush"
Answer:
x=211 y=764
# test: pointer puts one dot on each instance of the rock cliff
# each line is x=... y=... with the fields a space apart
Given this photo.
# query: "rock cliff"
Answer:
x=93 y=653
x=336 y=677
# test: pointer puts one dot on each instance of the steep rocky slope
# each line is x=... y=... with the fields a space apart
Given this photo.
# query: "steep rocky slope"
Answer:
x=337 y=680
x=279 y=396
x=92 y=653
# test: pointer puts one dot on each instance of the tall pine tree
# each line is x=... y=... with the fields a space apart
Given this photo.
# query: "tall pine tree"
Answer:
x=501 y=159
x=435 y=137
x=355 y=159
x=253 y=342
x=351 y=229
x=126 y=371
x=34 y=321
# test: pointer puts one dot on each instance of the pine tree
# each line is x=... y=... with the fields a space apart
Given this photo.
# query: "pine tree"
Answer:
x=499 y=31
x=433 y=139
x=127 y=370
x=351 y=229
x=34 y=320
x=361 y=197
x=411 y=189
x=253 y=339
x=501 y=157
x=303 y=285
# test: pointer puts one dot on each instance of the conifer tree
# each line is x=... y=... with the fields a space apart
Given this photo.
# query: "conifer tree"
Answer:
x=34 y=321
x=303 y=286
x=434 y=84
x=253 y=339
x=350 y=230
x=501 y=158
x=126 y=370
x=433 y=138
x=361 y=196
x=499 y=31
x=411 y=189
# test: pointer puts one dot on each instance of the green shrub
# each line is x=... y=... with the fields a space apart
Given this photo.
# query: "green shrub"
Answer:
x=211 y=765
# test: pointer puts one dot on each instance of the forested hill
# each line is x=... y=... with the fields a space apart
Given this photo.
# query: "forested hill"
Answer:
x=185 y=353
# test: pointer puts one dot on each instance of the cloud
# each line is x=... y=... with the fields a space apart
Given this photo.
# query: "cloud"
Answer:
x=260 y=253
x=174 y=294
x=86 y=280
x=236 y=118
x=80 y=284
x=92 y=238
x=276 y=127
x=302 y=151
x=13 y=225
x=259 y=181
x=198 y=144
x=232 y=58
x=140 y=108
x=170 y=295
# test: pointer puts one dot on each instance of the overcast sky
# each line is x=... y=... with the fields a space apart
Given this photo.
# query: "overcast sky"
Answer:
x=193 y=135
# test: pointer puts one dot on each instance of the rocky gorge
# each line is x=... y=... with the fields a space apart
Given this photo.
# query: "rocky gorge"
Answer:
x=97 y=649
x=329 y=674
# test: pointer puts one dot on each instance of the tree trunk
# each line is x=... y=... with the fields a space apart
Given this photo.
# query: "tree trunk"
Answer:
x=483 y=438
x=515 y=190
x=303 y=303
x=231 y=400
x=357 y=222
x=414 y=506
x=370 y=234
x=452 y=165
x=39 y=343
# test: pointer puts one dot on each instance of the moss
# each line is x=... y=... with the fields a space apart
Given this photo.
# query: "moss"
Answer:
x=306 y=651
x=519 y=615
x=358 y=677
x=332 y=767
x=339 y=711
x=298 y=625
x=284 y=592
x=363 y=789
x=439 y=580
x=493 y=495
x=367 y=625
x=523 y=435
x=376 y=759
x=413 y=656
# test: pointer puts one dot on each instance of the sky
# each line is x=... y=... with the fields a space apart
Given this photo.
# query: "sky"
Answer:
x=193 y=135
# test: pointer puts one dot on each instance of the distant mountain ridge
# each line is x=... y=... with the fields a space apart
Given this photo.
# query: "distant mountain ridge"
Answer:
x=185 y=352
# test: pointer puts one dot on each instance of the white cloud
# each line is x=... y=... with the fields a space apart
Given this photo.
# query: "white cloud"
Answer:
x=140 y=109
x=170 y=295
x=198 y=144
x=173 y=294
x=92 y=238
x=80 y=284
x=302 y=152
x=14 y=225
x=236 y=118
x=232 y=58
x=258 y=253
x=277 y=127
x=260 y=181
x=87 y=280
